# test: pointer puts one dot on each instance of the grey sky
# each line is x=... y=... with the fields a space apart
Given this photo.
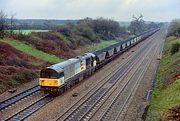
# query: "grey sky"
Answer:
x=155 y=10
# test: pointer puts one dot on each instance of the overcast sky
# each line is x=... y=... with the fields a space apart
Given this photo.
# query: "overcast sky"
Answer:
x=121 y=10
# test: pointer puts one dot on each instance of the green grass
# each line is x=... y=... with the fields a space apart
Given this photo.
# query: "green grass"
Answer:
x=168 y=60
x=169 y=42
x=29 y=31
x=97 y=46
x=165 y=96
x=163 y=100
x=125 y=24
x=29 y=49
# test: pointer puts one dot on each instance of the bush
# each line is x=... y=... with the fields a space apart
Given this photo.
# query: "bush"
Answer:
x=87 y=32
x=18 y=62
x=65 y=30
x=174 y=28
x=175 y=48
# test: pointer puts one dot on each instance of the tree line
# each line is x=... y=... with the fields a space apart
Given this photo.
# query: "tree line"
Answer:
x=99 y=28
x=93 y=29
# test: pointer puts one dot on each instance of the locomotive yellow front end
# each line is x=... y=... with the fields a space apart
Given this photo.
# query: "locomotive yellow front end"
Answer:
x=51 y=80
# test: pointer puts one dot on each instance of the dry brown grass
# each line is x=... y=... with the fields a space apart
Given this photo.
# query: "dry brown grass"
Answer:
x=17 y=67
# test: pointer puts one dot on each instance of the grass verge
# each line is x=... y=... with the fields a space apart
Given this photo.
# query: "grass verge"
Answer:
x=166 y=93
x=29 y=49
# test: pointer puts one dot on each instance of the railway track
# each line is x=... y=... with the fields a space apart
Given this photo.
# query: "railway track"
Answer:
x=141 y=111
x=113 y=107
x=24 y=113
x=122 y=89
x=79 y=112
x=119 y=102
x=22 y=95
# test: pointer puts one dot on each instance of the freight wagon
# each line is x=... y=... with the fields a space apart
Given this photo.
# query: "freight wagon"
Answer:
x=62 y=76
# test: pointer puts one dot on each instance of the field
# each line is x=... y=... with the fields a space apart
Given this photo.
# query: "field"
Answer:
x=28 y=49
x=29 y=31
x=166 y=94
x=124 y=24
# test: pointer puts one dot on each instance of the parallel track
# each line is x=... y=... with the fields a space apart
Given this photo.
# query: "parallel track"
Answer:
x=119 y=90
x=88 y=103
x=119 y=105
x=14 y=99
x=24 y=113
x=156 y=55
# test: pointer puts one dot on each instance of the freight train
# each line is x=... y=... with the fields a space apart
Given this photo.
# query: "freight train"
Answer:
x=59 y=77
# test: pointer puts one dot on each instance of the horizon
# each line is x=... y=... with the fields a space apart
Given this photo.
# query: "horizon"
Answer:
x=51 y=19
x=118 y=10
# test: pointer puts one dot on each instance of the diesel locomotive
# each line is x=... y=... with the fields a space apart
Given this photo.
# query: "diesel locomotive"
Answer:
x=62 y=76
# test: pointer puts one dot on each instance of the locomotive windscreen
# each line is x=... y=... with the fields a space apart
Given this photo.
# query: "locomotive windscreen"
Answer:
x=48 y=73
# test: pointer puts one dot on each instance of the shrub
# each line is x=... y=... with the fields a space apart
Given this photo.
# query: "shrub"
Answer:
x=88 y=33
x=65 y=30
x=175 y=48
x=174 y=28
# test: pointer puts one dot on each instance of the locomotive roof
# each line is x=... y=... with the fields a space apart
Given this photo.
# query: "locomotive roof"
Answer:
x=59 y=66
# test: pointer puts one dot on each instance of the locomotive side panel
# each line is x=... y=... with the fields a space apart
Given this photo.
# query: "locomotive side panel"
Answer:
x=69 y=71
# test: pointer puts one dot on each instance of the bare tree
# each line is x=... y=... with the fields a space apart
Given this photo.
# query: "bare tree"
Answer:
x=3 y=24
x=12 y=23
x=137 y=25
x=138 y=18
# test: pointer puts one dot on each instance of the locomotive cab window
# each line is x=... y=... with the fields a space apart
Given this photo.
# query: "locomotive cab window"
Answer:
x=61 y=74
x=49 y=74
